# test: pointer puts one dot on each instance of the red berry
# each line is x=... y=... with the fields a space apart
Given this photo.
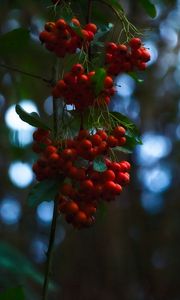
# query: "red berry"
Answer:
x=50 y=26
x=71 y=207
x=125 y=166
x=75 y=22
x=80 y=218
x=85 y=144
x=69 y=154
x=61 y=24
x=50 y=149
x=96 y=140
x=109 y=187
x=77 y=69
x=111 y=48
x=119 y=131
x=123 y=178
x=91 y=27
x=135 y=43
x=122 y=49
x=112 y=141
x=108 y=82
x=87 y=185
x=108 y=175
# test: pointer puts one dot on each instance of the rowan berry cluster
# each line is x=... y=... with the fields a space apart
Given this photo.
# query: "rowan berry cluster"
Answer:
x=125 y=58
x=78 y=199
x=77 y=88
x=60 y=37
x=74 y=160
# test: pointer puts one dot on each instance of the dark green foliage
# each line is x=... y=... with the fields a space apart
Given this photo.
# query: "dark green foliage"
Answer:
x=13 y=294
x=99 y=164
x=32 y=119
x=45 y=190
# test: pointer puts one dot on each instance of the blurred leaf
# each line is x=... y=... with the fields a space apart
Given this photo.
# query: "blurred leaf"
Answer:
x=135 y=77
x=45 y=190
x=99 y=164
x=149 y=7
x=102 y=31
x=122 y=149
x=14 y=42
x=14 y=261
x=98 y=80
x=101 y=210
x=13 y=294
x=32 y=119
x=77 y=29
x=115 y=4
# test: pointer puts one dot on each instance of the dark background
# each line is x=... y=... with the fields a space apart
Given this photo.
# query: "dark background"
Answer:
x=132 y=252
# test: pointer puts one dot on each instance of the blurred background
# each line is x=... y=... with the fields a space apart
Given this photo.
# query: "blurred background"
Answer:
x=132 y=252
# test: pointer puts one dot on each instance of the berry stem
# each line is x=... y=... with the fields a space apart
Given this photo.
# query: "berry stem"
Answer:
x=55 y=74
x=13 y=69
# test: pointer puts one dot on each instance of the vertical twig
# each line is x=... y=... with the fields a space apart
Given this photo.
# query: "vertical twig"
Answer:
x=55 y=210
x=88 y=20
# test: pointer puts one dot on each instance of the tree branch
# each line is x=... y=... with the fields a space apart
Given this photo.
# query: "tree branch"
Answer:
x=50 y=251
x=13 y=69
x=55 y=210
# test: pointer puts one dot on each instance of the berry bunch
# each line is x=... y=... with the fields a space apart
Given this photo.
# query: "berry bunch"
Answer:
x=60 y=38
x=78 y=199
x=77 y=88
x=121 y=58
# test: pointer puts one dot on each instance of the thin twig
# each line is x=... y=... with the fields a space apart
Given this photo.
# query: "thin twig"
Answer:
x=13 y=69
x=50 y=251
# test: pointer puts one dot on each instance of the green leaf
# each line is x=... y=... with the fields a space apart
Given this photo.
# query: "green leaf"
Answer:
x=14 y=261
x=77 y=29
x=45 y=190
x=115 y=4
x=122 y=149
x=149 y=7
x=99 y=164
x=135 y=77
x=102 y=31
x=132 y=132
x=13 y=294
x=32 y=119
x=14 y=42
x=98 y=80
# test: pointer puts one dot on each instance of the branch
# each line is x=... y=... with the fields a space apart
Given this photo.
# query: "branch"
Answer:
x=88 y=20
x=50 y=251
x=55 y=210
x=13 y=69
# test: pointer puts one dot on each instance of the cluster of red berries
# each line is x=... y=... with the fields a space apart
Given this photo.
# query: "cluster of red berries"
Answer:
x=77 y=88
x=126 y=58
x=60 y=37
x=78 y=199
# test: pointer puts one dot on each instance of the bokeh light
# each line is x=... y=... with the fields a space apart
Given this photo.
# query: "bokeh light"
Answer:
x=156 y=179
x=152 y=203
x=10 y=211
x=45 y=211
x=155 y=146
x=20 y=174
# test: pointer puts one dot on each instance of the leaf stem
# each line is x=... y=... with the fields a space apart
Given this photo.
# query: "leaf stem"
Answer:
x=14 y=69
